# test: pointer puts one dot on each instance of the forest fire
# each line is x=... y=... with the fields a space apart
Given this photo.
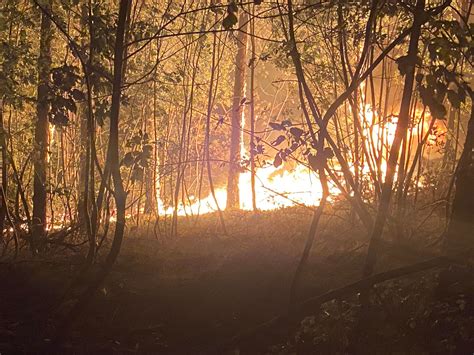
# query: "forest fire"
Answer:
x=236 y=177
x=379 y=134
x=275 y=188
x=294 y=184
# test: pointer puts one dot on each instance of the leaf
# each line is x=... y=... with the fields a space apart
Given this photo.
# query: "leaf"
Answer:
x=276 y=126
x=419 y=77
x=319 y=160
x=279 y=140
x=232 y=7
x=69 y=104
x=293 y=147
x=137 y=174
x=286 y=123
x=328 y=153
x=454 y=99
x=437 y=110
x=128 y=159
x=426 y=95
x=278 y=161
x=59 y=118
x=148 y=148
x=296 y=132
x=229 y=21
x=405 y=63
x=441 y=89
x=77 y=95
x=314 y=161
x=136 y=139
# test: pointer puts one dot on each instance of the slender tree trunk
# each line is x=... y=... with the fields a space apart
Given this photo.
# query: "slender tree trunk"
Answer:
x=449 y=159
x=233 y=198
x=253 y=63
x=319 y=143
x=113 y=153
x=83 y=170
x=4 y=167
x=113 y=157
x=150 y=190
x=42 y=131
x=400 y=133
x=459 y=235
x=207 y=139
x=150 y=171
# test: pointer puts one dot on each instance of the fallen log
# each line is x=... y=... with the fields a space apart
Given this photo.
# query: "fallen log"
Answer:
x=309 y=306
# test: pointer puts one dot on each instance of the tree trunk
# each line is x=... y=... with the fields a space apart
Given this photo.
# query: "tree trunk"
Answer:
x=42 y=131
x=400 y=133
x=253 y=62
x=151 y=203
x=233 y=199
x=113 y=149
x=4 y=167
x=83 y=171
x=459 y=236
x=113 y=158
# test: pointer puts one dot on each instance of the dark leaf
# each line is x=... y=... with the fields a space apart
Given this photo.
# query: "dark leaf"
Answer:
x=419 y=78
x=296 y=132
x=293 y=147
x=278 y=160
x=279 y=140
x=77 y=95
x=454 y=99
x=232 y=7
x=405 y=63
x=137 y=174
x=276 y=126
x=128 y=159
x=229 y=21
x=437 y=110
x=286 y=123
x=315 y=161
x=328 y=153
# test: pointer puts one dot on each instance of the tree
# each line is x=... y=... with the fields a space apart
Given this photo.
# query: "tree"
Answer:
x=459 y=234
x=120 y=195
x=238 y=100
x=42 y=131
x=402 y=125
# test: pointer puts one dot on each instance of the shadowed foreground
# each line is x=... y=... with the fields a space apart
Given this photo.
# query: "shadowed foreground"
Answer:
x=194 y=293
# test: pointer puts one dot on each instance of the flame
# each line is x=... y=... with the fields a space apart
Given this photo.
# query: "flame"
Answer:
x=380 y=133
x=279 y=187
x=274 y=188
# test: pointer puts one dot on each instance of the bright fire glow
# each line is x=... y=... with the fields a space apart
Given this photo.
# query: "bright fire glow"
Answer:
x=274 y=188
x=284 y=187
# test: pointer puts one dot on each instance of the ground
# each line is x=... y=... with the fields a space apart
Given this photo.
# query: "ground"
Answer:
x=186 y=294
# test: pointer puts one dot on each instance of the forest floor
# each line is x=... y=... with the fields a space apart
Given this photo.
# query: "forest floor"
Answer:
x=190 y=293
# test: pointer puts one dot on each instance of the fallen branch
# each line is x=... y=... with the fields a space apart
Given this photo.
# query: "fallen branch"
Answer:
x=312 y=304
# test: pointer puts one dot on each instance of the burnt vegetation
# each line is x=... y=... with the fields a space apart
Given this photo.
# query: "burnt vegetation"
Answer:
x=255 y=177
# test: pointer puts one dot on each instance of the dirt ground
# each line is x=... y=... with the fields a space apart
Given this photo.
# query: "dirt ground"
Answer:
x=181 y=295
